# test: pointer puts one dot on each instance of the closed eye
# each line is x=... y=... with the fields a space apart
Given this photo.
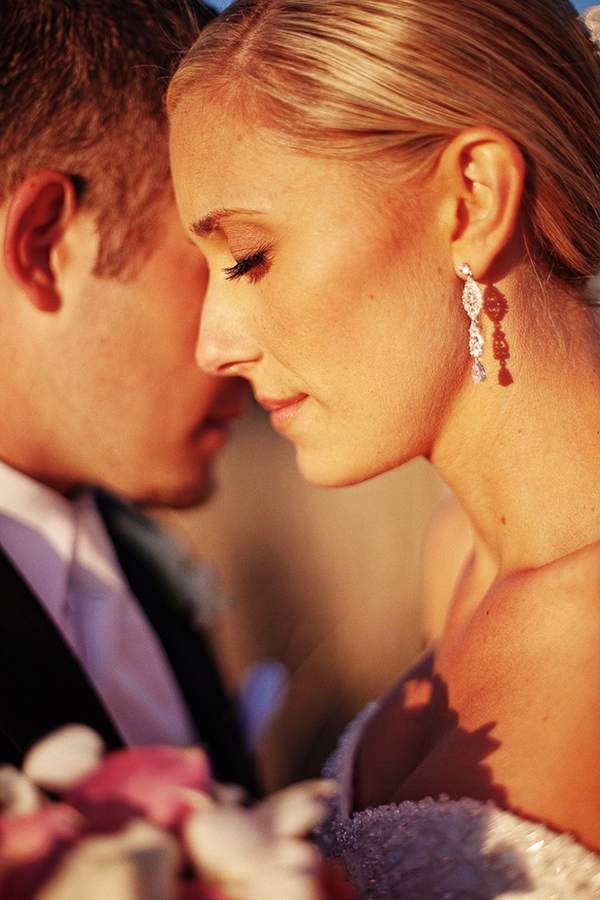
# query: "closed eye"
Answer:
x=256 y=265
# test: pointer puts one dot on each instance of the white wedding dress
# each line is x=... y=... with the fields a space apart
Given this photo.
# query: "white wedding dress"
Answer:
x=448 y=849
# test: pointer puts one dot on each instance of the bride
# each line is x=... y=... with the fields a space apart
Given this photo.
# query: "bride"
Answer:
x=399 y=201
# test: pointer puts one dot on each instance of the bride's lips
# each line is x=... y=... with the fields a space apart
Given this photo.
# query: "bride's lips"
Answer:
x=283 y=411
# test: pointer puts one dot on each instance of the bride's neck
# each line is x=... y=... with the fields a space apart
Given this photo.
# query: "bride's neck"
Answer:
x=523 y=457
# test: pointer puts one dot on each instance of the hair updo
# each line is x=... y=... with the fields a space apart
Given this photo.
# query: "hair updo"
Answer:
x=393 y=81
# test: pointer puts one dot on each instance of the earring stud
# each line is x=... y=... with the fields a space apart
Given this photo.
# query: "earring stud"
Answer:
x=472 y=300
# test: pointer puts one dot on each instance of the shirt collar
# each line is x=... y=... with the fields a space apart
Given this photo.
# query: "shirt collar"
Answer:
x=39 y=507
x=42 y=532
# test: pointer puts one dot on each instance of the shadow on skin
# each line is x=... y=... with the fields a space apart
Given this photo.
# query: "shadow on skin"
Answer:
x=496 y=307
x=435 y=756
x=415 y=747
x=450 y=759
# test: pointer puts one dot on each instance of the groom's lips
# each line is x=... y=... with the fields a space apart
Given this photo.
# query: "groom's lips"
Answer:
x=230 y=404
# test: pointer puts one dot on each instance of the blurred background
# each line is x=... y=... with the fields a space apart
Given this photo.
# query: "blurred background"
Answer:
x=325 y=581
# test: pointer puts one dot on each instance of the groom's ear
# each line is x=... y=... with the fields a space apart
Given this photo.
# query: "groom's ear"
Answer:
x=482 y=172
x=39 y=212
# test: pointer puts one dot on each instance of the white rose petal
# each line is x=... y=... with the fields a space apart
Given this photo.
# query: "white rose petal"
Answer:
x=260 y=853
x=224 y=842
x=276 y=884
x=298 y=808
x=139 y=863
x=63 y=757
x=17 y=793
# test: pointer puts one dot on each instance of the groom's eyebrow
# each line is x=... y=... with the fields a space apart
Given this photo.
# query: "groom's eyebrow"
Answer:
x=212 y=222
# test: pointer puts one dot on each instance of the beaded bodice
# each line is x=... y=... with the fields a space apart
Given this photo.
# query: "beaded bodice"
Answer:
x=449 y=849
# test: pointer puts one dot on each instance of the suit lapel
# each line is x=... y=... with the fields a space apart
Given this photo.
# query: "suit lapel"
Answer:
x=186 y=648
x=42 y=684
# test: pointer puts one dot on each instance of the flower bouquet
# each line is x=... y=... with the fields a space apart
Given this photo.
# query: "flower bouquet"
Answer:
x=150 y=823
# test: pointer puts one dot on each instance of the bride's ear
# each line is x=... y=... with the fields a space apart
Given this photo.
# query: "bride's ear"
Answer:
x=482 y=172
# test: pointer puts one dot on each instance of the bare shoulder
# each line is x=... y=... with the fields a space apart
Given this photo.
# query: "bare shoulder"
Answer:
x=519 y=699
x=553 y=610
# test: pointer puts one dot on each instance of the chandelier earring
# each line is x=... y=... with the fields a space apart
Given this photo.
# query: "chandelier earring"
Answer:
x=472 y=300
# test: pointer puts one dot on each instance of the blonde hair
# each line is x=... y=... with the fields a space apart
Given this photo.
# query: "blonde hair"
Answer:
x=398 y=79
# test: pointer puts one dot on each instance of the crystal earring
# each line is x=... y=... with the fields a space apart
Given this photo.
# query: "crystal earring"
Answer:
x=472 y=300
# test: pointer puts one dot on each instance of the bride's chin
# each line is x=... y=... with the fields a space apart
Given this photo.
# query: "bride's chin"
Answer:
x=327 y=469
x=314 y=469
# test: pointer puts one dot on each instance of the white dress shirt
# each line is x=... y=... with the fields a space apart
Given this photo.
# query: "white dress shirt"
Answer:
x=62 y=550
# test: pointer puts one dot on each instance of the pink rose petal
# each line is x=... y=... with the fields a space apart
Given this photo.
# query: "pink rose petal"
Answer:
x=32 y=846
x=142 y=782
x=195 y=890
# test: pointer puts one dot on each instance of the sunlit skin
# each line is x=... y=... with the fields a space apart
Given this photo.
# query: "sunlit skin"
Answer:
x=339 y=299
x=109 y=376
x=300 y=249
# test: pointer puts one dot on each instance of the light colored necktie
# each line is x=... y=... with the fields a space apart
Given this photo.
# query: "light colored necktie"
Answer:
x=117 y=645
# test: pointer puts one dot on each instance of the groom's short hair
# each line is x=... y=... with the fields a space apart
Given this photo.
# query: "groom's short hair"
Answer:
x=82 y=88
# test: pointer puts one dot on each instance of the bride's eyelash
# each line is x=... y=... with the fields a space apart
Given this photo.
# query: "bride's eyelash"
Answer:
x=255 y=266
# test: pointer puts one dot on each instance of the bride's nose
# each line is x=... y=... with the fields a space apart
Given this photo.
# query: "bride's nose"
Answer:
x=225 y=344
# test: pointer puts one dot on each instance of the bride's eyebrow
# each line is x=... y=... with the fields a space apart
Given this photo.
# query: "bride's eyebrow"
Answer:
x=212 y=222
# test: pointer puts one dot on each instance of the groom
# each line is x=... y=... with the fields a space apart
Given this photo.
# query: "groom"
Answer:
x=100 y=298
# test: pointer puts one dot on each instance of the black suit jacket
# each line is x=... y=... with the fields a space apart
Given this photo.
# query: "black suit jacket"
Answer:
x=42 y=685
